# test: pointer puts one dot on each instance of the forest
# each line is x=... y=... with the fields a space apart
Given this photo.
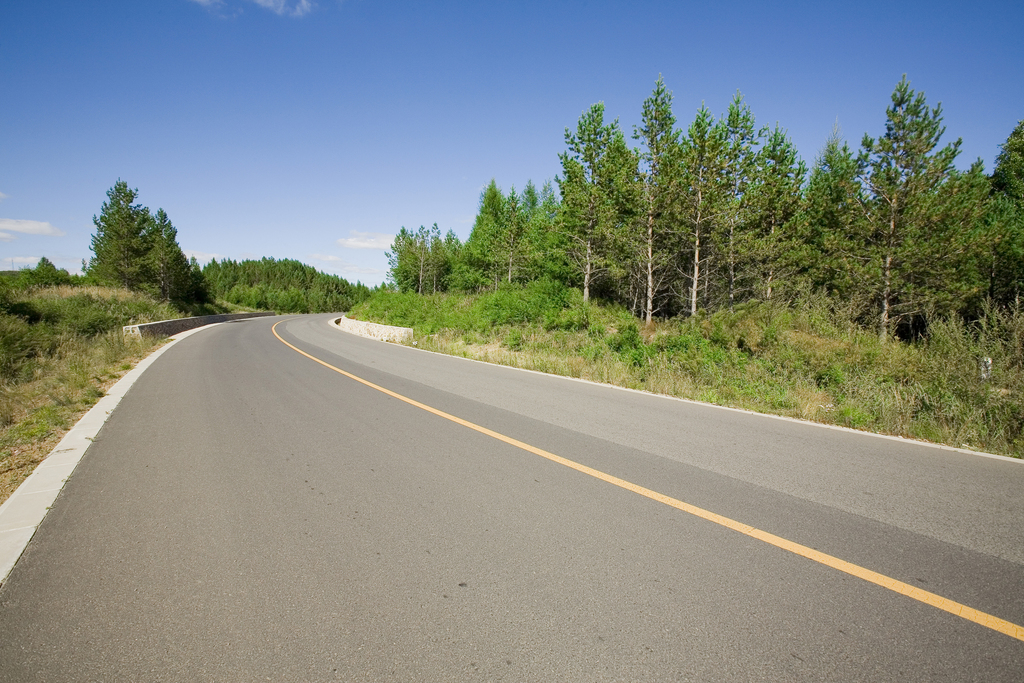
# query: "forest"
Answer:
x=282 y=285
x=701 y=217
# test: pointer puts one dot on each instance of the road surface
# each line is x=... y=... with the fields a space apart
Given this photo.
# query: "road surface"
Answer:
x=249 y=513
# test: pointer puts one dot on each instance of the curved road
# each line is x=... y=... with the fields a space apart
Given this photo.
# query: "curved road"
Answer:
x=248 y=513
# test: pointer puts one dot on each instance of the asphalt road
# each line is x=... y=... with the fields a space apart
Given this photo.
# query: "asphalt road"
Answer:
x=249 y=514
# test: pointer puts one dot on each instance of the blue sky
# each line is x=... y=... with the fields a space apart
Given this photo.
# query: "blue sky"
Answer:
x=315 y=129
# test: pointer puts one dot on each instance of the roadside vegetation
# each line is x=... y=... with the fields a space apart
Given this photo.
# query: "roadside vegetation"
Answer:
x=811 y=361
x=281 y=285
x=61 y=348
x=878 y=288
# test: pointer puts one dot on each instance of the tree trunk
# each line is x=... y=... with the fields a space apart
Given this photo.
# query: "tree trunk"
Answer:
x=706 y=278
x=696 y=273
x=511 y=252
x=732 y=270
x=883 y=323
x=650 y=268
x=586 y=275
x=696 y=257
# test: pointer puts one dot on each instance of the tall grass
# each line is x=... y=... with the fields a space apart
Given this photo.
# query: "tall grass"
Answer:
x=60 y=349
x=808 y=361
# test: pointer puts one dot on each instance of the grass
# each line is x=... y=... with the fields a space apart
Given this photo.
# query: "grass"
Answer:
x=808 y=361
x=61 y=348
x=36 y=414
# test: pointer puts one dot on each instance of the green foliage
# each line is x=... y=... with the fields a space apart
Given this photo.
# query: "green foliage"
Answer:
x=809 y=360
x=174 y=277
x=545 y=303
x=123 y=240
x=916 y=240
x=285 y=286
x=819 y=255
x=727 y=215
x=774 y=200
x=1004 y=227
x=702 y=165
x=45 y=274
x=19 y=344
x=630 y=347
x=649 y=242
x=589 y=213
x=422 y=261
x=135 y=250
x=1008 y=177
x=34 y=324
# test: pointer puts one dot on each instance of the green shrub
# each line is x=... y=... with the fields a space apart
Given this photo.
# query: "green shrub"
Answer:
x=20 y=343
x=630 y=346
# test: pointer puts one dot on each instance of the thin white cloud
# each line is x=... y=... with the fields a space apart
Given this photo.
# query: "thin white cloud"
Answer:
x=344 y=266
x=21 y=260
x=294 y=9
x=9 y=225
x=291 y=8
x=366 y=240
x=2 y=196
x=201 y=256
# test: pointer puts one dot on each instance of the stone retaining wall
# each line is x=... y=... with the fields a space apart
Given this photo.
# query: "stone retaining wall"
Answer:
x=373 y=330
x=165 y=328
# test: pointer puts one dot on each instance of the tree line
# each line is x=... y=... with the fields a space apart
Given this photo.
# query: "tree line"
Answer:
x=725 y=211
x=282 y=285
x=138 y=250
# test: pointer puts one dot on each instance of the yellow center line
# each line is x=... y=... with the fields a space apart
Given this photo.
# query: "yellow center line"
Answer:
x=960 y=610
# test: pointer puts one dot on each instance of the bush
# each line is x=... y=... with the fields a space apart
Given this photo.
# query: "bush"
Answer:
x=36 y=322
x=20 y=343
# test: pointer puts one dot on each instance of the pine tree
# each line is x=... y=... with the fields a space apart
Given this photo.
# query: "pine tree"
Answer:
x=404 y=268
x=1008 y=176
x=1005 y=223
x=920 y=214
x=480 y=264
x=123 y=239
x=775 y=194
x=511 y=232
x=702 y=167
x=659 y=187
x=821 y=252
x=169 y=267
x=741 y=141
x=588 y=213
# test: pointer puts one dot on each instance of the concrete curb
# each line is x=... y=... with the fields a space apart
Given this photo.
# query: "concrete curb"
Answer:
x=376 y=331
x=166 y=328
x=23 y=512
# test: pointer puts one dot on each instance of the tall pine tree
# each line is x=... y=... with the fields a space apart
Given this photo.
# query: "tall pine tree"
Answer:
x=659 y=187
x=169 y=267
x=702 y=166
x=920 y=213
x=123 y=240
x=588 y=212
